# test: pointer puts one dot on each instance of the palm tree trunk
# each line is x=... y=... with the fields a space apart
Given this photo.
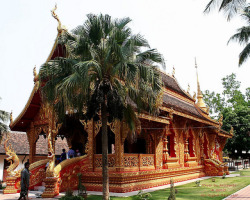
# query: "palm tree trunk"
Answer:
x=105 y=175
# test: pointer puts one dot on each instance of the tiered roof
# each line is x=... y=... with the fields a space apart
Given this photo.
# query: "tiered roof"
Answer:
x=174 y=98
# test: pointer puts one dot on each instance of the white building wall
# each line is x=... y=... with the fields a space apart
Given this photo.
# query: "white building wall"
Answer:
x=2 y=157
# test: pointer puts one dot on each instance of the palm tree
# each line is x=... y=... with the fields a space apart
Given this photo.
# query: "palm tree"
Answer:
x=106 y=72
x=230 y=7
x=4 y=117
x=242 y=36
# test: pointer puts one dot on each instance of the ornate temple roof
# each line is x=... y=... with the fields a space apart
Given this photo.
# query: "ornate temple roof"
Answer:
x=171 y=83
x=174 y=96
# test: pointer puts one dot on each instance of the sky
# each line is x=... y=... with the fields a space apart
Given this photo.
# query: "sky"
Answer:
x=179 y=30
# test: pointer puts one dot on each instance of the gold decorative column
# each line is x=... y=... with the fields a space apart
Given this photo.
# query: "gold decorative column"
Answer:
x=185 y=151
x=158 y=149
x=118 y=128
x=89 y=128
x=165 y=149
x=51 y=186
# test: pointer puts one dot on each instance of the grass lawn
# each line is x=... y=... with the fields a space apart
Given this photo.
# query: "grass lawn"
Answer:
x=243 y=172
x=208 y=190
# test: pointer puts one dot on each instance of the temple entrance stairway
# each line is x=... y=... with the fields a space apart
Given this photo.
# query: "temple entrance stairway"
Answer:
x=214 y=167
x=37 y=170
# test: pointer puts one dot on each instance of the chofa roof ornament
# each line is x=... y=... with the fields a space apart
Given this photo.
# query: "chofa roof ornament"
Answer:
x=60 y=28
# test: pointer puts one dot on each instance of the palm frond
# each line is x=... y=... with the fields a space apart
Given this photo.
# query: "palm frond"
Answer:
x=229 y=7
x=244 y=55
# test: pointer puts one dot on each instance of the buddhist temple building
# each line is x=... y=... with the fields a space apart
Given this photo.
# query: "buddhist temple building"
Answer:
x=182 y=142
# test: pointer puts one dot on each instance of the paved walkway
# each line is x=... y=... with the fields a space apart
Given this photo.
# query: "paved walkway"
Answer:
x=32 y=194
x=243 y=194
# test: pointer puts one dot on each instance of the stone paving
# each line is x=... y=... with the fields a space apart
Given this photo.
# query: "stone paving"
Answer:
x=242 y=194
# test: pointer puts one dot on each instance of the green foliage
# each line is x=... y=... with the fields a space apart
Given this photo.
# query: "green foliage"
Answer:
x=198 y=183
x=72 y=198
x=105 y=64
x=172 y=190
x=69 y=192
x=108 y=70
x=242 y=36
x=81 y=187
x=231 y=8
x=4 y=117
x=143 y=195
x=234 y=106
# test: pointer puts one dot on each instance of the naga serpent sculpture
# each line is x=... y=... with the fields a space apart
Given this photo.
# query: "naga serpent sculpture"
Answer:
x=13 y=159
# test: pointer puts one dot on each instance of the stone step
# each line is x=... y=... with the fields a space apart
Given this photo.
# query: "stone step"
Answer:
x=39 y=188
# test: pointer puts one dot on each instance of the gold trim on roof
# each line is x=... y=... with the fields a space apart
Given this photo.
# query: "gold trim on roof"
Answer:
x=188 y=116
x=154 y=118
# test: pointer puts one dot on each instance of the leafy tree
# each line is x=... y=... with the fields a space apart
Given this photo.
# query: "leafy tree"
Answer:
x=4 y=117
x=106 y=72
x=242 y=36
x=229 y=7
x=234 y=106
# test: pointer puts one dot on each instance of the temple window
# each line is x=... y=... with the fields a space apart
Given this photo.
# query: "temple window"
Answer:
x=191 y=145
x=137 y=146
x=171 y=144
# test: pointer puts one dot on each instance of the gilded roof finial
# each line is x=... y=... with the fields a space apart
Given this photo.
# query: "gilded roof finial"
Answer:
x=194 y=96
x=173 y=72
x=221 y=120
x=231 y=132
x=35 y=75
x=188 y=89
x=11 y=118
x=200 y=103
x=34 y=72
x=60 y=28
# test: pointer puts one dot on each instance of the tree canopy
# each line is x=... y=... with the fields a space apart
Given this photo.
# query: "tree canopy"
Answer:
x=109 y=73
x=234 y=106
x=4 y=117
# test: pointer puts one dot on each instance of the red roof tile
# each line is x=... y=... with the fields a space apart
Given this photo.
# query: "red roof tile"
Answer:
x=20 y=144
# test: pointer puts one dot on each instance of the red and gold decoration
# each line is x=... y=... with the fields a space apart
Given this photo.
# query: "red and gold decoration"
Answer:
x=182 y=142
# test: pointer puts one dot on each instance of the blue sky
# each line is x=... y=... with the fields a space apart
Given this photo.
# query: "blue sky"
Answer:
x=178 y=29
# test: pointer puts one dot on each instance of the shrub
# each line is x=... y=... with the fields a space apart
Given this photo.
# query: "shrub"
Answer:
x=69 y=193
x=143 y=195
x=81 y=187
x=172 y=190
x=72 y=198
x=198 y=183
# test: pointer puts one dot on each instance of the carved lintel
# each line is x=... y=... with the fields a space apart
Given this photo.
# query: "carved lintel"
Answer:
x=97 y=127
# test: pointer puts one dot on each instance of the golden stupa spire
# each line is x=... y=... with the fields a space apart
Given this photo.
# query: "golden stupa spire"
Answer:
x=200 y=103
